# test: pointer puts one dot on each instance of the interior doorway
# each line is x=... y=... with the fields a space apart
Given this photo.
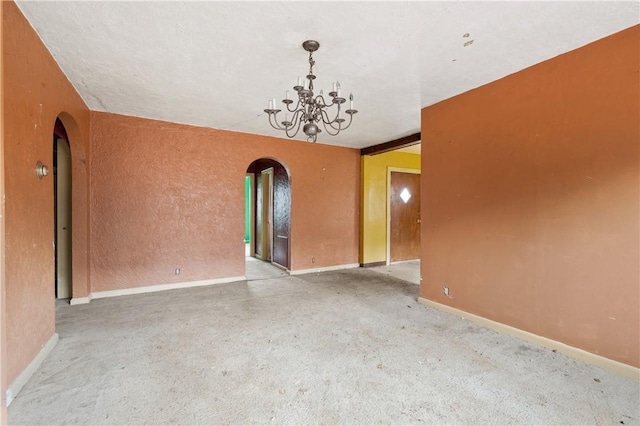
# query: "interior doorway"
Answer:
x=62 y=212
x=265 y=217
x=268 y=211
x=248 y=209
x=403 y=208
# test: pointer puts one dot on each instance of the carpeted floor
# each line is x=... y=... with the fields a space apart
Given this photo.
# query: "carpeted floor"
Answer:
x=346 y=347
x=408 y=270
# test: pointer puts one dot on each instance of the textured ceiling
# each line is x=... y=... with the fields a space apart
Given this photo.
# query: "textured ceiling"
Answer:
x=216 y=64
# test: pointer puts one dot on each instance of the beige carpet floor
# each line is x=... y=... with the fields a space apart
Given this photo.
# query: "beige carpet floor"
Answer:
x=346 y=347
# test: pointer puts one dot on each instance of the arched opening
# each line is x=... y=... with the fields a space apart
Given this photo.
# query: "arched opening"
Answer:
x=62 y=212
x=268 y=214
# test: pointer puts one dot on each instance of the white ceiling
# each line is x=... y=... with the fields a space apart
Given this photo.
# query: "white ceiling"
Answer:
x=215 y=64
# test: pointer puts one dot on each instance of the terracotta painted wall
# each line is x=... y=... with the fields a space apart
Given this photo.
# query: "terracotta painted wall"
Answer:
x=3 y=320
x=35 y=93
x=373 y=235
x=530 y=199
x=169 y=196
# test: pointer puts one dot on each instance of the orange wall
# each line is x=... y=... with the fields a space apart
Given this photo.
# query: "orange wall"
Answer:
x=35 y=93
x=3 y=321
x=169 y=196
x=530 y=199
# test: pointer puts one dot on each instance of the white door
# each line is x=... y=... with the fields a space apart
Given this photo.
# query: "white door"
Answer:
x=63 y=219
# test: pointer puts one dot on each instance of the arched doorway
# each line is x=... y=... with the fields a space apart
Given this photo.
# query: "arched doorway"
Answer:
x=269 y=212
x=62 y=211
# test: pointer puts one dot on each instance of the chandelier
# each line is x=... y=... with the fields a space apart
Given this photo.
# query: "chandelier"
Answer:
x=311 y=110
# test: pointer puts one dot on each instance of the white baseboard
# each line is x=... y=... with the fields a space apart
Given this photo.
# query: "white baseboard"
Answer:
x=151 y=289
x=33 y=366
x=80 y=300
x=580 y=354
x=324 y=269
x=162 y=287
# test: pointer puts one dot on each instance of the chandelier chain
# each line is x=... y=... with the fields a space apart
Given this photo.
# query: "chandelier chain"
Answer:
x=311 y=64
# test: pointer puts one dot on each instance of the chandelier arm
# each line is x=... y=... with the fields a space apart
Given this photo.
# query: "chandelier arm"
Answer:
x=326 y=123
x=293 y=121
x=324 y=103
x=334 y=118
x=324 y=116
x=329 y=132
x=274 y=123
x=296 y=107
x=299 y=116
x=293 y=135
x=339 y=128
x=349 y=124
x=296 y=113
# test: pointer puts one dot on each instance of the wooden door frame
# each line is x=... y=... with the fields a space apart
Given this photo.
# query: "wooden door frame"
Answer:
x=267 y=225
x=391 y=169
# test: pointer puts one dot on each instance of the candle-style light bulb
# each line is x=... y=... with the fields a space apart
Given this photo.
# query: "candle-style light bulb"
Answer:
x=335 y=88
x=274 y=103
x=270 y=104
x=286 y=94
x=351 y=101
x=299 y=81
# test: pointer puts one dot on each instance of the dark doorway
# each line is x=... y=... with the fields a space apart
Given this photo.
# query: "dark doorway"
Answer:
x=62 y=211
x=404 y=209
x=271 y=198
